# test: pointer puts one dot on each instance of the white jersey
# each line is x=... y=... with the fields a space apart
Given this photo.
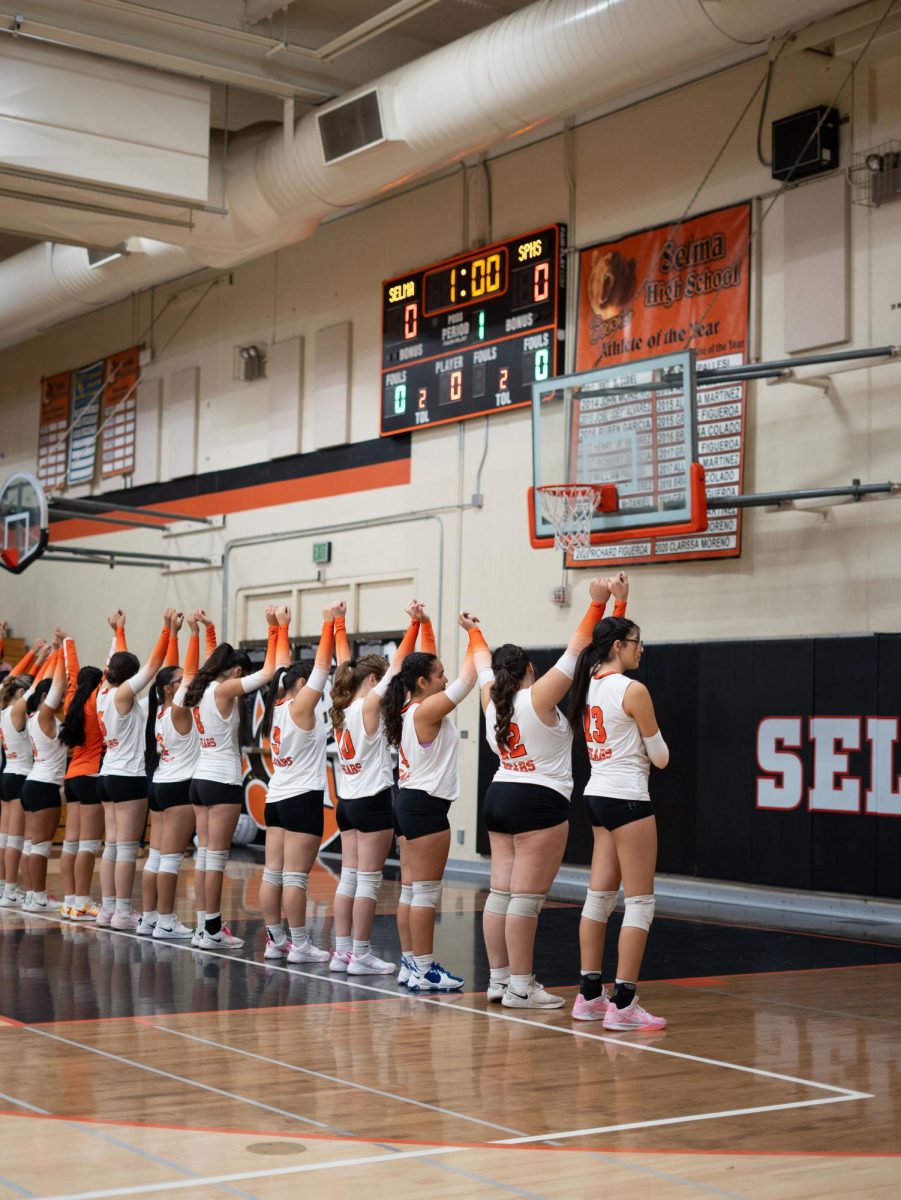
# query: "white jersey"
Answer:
x=619 y=761
x=123 y=737
x=49 y=753
x=220 y=753
x=364 y=760
x=178 y=752
x=298 y=756
x=19 y=755
x=431 y=768
x=535 y=753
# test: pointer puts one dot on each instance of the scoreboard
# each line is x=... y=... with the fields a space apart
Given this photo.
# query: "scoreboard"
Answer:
x=469 y=336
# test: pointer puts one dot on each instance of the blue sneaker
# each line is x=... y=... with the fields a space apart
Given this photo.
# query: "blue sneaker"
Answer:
x=435 y=979
x=407 y=967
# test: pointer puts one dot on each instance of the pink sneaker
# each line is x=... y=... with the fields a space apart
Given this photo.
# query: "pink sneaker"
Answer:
x=277 y=951
x=632 y=1017
x=590 y=1010
x=129 y=921
x=104 y=917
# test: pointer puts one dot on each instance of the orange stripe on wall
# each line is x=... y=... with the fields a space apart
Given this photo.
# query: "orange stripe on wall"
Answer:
x=263 y=495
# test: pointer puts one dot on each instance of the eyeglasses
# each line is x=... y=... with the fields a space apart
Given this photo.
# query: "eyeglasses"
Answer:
x=637 y=641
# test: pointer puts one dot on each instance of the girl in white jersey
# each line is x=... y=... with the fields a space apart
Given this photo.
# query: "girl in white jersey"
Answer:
x=616 y=717
x=12 y=688
x=294 y=814
x=417 y=708
x=122 y=784
x=17 y=751
x=526 y=809
x=364 y=778
x=217 y=793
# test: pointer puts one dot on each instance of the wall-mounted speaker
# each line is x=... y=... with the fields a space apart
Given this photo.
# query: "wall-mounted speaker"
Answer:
x=805 y=144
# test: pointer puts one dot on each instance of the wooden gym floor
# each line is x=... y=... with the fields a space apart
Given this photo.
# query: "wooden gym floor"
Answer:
x=135 y=1068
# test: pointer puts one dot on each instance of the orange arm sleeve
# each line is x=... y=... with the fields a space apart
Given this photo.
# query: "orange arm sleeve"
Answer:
x=408 y=642
x=271 y=647
x=192 y=658
x=24 y=665
x=47 y=667
x=619 y=608
x=429 y=645
x=282 y=647
x=326 y=646
x=342 y=646
x=70 y=653
x=121 y=643
x=171 y=659
x=582 y=635
x=158 y=653
x=211 y=641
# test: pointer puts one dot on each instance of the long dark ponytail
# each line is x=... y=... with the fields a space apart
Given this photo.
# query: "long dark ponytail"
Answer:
x=155 y=700
x=348 y=677
x=72 y=732
x=595 y=654
x=285 y=678
x=37 y=697
x=509 y=664
x=414 y=667
x=224 y=658
x=121 y=666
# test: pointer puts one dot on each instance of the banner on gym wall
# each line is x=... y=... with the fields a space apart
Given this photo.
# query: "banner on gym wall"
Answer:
x=785 y=767
x=677 y=287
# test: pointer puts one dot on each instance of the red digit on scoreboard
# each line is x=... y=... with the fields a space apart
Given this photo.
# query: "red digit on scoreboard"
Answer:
x=411 y=321
x=456 y=385
x=541 y=282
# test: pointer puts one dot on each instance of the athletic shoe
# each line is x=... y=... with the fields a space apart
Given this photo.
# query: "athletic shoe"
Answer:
x=496 y=991
x=277 y=950
x=435 y=979
x=41 y=906
x=308 y=953
x=223 y=940
x=535 y=997
x=105 y=917
x=11 y=902
x=633 y=1016
x=65 y=911
x=407 y=967
x=144 y=927
x=195 y=937
x=87 y=912
x=339 y=961
x=177 y=931
x=129 y=921
x=590 y=1010
x=369 y=964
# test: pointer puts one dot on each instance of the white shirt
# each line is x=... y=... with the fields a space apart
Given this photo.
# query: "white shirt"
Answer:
x=178 y=752
x=619 y=761
x=535 y=753
x=49 y=753
x=220 y=753
x=123 y=737
x=298 y=756
x=19 y=755
x=364 y=760
x=432 y=768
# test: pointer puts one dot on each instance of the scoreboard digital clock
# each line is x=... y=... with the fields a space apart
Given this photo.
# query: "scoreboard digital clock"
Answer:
x=470 y=336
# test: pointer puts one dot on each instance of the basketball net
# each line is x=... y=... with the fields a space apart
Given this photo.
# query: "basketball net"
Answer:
x=568 y=508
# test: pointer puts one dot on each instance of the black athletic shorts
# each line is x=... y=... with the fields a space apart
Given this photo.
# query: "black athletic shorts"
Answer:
x=417 y=814
x=341 y=817
x=207 y=792
x=613 y=813
x=369 y=814
x=12 y=785
x=82 y=789
x=172 y=795
x=37 y=796
x=297 y=814
x=116 y=789
x=521 y=807
x=152 y=801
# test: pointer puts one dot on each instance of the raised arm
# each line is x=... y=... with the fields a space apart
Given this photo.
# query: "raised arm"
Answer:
x=210 y=632
x=175 y=624
x=433 y=709
x=304 y=703
x=342 y=646
x=70 y=654
x=638 y=704
x=619 y=590
x=27 y=662
x=48 y=707
x=550 y=689
x=132 y=688
x=230 y=689
x=429 y=645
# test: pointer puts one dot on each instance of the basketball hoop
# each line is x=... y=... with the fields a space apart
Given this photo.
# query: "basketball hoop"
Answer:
x=569 y=508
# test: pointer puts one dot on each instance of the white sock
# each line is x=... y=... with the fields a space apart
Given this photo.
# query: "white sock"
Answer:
x=201 y=918
x=520 y=984
x=166 y=921
x=423 y=962
x=277 y=934
x=123 y=907
x=82 y=901
x=10 y=889
x=108 y=903
x=69 y=901
x=361 y=949
x=151 y=918
x=343 y=945
x=500 y=974
x=299 y=935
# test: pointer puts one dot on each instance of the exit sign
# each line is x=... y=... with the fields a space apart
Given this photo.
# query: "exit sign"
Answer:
x=322 y=552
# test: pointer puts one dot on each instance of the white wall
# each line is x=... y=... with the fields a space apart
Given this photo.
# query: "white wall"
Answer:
x=798 y=573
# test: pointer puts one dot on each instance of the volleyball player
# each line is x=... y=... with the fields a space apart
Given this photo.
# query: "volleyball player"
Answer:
x=122 y=785
x=41 y=792
x=526 y=810
x=616 y=717
x=217 y=794
x=417 y=707
x=19 y=757
x=294 y=813
x=365 y=783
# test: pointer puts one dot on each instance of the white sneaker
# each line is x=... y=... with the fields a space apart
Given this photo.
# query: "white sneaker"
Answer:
x=277 y=949
x=144 y=927
x=195 y=937
x=496 y=991
x=224 y=940
x=407 y=966
x=87 y=912
x=535 y=997
x=308 y=953
x=435 y=979
x=40 y=906
x=179 y=931
x=104 y=917
x=339 y=962
x=369 y=964
x=129 y=921
x=11 y=901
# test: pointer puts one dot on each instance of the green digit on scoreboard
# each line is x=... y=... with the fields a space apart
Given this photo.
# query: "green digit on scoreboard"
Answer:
x=400 y=399
x=542 y=365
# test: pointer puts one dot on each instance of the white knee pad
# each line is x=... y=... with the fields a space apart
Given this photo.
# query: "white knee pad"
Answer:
x=639 y=912
x=525 y=904
x=200 y=859
x=70 y=847
x=406 y=893
x=15 y=841
x=347 y=884
x=42 y=849
x=296 y=879
x=26 y=848
x=599 y=905
x=89 y=846
x=427 y=893
x=153 y=861
x=271 y=875
x=368 y=884
x=216 y=860
x=109 y=851
x=170 y=863
x=497 y=902
x=126 y=852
